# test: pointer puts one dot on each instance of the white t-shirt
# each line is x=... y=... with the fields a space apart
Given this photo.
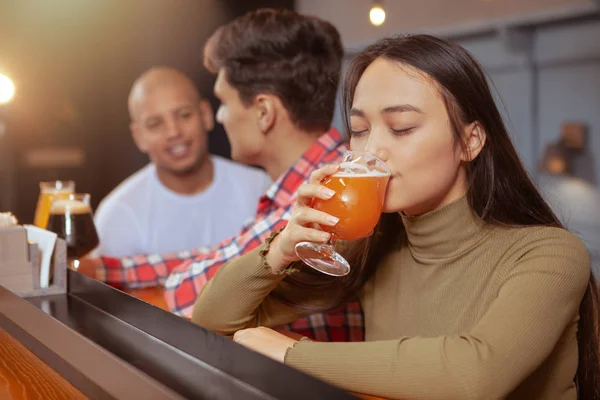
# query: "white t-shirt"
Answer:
x=142 y=216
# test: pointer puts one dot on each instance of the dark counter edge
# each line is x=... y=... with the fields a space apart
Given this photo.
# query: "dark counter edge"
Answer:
x=92 y=370
x=180 y=358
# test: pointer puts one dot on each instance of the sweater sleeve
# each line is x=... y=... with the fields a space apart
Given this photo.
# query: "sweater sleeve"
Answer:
x=538 y=299
x=243 y=294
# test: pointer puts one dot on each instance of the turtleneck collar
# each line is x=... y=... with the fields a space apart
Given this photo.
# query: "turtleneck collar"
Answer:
x=446 y=232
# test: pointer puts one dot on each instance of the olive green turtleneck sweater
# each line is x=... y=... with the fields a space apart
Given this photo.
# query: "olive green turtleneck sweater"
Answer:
x=466 y=310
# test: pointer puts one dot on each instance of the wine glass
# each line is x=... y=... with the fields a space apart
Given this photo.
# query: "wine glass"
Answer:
x=359 y=187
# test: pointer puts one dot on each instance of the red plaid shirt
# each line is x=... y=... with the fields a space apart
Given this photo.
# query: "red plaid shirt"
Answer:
x=185 y=273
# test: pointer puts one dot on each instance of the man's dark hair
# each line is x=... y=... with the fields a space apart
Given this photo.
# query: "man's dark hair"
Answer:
x=292 y=56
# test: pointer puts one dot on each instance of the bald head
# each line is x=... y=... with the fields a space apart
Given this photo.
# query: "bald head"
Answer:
x=156 y=78
x=170 y=122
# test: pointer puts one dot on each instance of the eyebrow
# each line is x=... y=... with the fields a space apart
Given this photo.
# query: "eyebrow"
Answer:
x=388 y=110
x=355 y=112
x=402 y=108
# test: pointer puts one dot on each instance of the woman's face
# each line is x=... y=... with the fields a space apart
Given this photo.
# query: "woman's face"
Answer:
x=399 y=115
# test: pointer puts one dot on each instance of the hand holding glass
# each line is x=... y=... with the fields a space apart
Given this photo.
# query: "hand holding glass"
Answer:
x=359 y=186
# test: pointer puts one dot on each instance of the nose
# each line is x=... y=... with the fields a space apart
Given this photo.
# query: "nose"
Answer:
x=173 y=128
x=375 y=145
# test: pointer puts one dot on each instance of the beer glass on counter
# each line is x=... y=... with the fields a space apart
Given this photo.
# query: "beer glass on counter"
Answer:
x=47 y=191
x=359 y=187
x=71 y=219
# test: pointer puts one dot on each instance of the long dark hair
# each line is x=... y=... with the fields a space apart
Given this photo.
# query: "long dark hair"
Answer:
x=499 y=189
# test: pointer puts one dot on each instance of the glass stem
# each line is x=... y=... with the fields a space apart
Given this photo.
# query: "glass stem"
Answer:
x=332 y=240
x=74 y=264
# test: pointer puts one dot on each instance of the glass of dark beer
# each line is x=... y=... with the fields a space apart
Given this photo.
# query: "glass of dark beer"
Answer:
x=71 y=219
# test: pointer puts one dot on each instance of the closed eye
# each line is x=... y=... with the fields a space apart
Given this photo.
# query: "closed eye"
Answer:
x=153 y=124
x=401 y=132
x=356 y=133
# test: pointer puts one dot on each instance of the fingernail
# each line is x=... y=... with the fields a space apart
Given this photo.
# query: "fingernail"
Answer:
x=325 y=235
x=328 y=192
x=332 y=220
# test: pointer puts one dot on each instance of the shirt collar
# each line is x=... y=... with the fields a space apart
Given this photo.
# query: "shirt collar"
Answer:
x=281 y=191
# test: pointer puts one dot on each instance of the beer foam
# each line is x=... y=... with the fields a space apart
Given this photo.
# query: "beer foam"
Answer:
x=350 y=169
x=64 y=206
x=59 y=192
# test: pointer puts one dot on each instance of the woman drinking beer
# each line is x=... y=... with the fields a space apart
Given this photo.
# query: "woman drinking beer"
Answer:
x=469 y=285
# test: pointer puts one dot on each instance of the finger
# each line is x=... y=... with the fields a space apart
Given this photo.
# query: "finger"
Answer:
x=306 y=216
x=319 y=174
x=241 y=335
x=310 y=191
x=303 y=234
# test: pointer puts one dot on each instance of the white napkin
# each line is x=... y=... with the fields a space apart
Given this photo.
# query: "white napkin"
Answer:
x=45 y=241
x=7 y=220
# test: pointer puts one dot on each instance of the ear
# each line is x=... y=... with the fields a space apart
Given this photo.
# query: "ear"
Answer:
x=137 y=137
x=474 y=136
x=206 y=115
x=266 y=107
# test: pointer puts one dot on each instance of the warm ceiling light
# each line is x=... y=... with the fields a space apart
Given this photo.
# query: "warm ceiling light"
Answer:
x=377 y=14
x=7 y=89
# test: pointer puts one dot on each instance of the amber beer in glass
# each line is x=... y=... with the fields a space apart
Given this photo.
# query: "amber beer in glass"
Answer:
x=357 y=203
x=47 y=191
x=71 y=219
x=359 y=188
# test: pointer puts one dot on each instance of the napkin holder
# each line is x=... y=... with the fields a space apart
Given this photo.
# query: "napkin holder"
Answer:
x=20 y=264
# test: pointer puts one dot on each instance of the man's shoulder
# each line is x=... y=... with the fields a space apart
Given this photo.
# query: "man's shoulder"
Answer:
x=131 y=188
x=335 y=146
x=337 y=153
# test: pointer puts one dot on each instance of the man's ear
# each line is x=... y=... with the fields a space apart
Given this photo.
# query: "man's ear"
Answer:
x=266 y=109
x=137 y=137
x=474 y=136
x=206 y=115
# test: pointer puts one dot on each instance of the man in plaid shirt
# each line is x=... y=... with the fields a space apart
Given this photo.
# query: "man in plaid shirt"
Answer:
x=277 y=76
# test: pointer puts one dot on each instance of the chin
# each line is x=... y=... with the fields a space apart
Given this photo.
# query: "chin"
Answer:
x=237 y=158
x=184 y=168
x=393 y=203
x=243 y=158
x=390 y=208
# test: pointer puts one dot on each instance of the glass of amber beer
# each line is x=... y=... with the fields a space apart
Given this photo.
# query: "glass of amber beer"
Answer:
x=71 y=219
x=359 y=188
x=47 y=191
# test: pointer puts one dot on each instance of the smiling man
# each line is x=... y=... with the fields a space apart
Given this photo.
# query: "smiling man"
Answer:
x=185 y=197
